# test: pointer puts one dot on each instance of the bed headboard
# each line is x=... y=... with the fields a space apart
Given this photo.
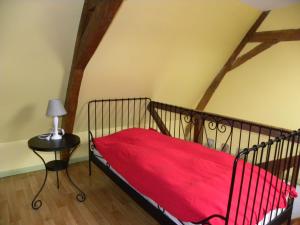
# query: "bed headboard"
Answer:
x=108 y=116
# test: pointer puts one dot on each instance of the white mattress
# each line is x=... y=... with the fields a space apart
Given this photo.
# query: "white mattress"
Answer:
x=174 y=219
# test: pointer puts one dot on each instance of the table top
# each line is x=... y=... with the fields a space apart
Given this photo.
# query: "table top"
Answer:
x=68 y=141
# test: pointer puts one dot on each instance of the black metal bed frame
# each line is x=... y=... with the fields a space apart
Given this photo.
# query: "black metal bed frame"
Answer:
x=273 y=149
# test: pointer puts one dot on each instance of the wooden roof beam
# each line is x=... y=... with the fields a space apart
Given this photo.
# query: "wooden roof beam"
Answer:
x=277 y=35
x=253 y=52
x=267 y=39
x=227 y=67
x=99 y=22
x=96 y=17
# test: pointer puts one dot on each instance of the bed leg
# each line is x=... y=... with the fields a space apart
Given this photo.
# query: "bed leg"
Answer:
x=90 y=168
x=90 y=164
x=289 y=220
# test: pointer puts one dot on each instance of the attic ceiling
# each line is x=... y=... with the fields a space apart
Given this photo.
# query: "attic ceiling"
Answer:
x=269 y=4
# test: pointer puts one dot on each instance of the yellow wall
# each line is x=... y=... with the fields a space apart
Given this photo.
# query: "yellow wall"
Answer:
x=266 y=88
x=168 y=50
x=36 y=48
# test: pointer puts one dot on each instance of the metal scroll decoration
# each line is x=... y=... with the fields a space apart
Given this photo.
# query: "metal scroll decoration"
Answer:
x=219 y=125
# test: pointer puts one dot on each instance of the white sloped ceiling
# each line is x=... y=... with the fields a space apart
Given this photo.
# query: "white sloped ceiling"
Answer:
x=269 y=4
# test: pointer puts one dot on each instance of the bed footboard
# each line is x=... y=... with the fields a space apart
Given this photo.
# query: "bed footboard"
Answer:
x=280 y=158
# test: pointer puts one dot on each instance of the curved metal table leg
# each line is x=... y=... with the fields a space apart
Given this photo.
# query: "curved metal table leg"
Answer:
x=81 y=195
x=57 y=180
x=37 y=203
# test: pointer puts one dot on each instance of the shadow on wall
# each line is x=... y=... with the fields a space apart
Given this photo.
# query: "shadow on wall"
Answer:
x=60 y=32
x=81 y=123
x=60 y=29
x=20 y=120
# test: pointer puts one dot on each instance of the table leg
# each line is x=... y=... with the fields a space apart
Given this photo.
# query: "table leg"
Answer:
x=57 y=180
x=81 y=195
x=37 y=203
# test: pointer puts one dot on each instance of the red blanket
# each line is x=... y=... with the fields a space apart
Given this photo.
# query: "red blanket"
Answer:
x=190 y=181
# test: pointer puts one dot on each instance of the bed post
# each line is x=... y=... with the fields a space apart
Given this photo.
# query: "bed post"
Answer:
x=149 y=109
x=231 y=188
x=90 y=158
x=89 y=141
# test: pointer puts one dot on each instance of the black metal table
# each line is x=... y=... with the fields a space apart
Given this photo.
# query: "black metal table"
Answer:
x=68 y=142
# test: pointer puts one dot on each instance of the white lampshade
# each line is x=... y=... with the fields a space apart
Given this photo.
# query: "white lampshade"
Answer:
x=55 y=108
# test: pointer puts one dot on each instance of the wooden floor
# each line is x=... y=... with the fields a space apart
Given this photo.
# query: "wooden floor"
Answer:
x=106 y=203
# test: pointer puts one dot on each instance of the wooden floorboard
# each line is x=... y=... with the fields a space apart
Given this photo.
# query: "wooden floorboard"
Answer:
x=106 y=203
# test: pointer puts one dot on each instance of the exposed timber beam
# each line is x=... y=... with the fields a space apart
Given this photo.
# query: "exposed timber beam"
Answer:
x=278 y=35
x=253 y=52
x=227 y=67
x=98 y=24
x=87 y=11
x=96 y=17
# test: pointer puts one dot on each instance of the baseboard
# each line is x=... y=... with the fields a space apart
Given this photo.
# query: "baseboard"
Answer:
x=13 y=172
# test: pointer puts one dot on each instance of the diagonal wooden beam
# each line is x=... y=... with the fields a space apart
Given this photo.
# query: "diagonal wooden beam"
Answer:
x=87 y=11
x=278 y=35
x=160 y=123
x=217 y=80
x=96 y=17
x=99 y=22
x=253 y=52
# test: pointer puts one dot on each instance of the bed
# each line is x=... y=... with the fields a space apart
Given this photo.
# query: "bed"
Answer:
x=189 y=167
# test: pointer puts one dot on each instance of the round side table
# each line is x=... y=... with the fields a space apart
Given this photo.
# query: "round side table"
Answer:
x=68 y=142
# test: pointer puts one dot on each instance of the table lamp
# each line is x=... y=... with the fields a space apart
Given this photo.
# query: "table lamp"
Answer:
x=55 y=109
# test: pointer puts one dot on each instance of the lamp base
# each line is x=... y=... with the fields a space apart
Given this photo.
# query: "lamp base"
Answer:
x=56 y=137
